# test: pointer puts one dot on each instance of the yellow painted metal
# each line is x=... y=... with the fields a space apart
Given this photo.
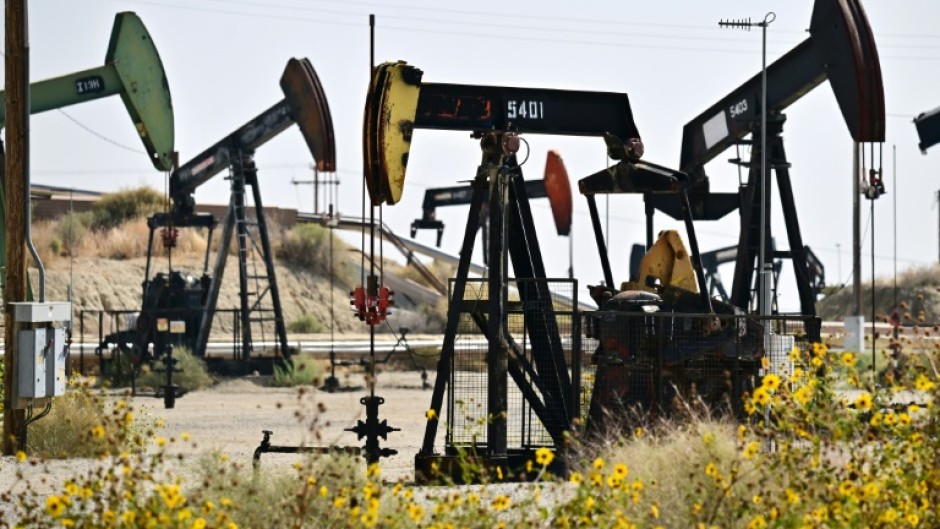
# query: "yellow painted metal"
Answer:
x=668 y=262
x=390 y=114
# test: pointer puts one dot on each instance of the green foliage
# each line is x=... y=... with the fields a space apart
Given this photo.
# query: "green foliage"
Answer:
x=193 y=373
x=114 y=209
x=306 y=324
x=70 y=230
x=84 y=423
x=301 y=370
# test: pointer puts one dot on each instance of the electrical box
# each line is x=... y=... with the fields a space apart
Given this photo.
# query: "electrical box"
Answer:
x=42 y=312
x=41 y=349
x=55 y=364
x=32 y=357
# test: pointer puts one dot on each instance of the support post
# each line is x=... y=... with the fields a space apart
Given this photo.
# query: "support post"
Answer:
x=856 y=236
x=497 y=355
x=16 y=165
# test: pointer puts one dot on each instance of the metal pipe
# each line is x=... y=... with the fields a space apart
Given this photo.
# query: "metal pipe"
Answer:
x=763 y=265
x=856 y=236
x=27 y=203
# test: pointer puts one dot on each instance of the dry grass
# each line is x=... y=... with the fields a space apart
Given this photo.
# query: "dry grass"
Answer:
x=670 y=457
x=83 y=423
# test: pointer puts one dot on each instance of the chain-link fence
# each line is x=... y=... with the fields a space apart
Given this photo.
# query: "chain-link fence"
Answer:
x=541 y=332
x=655 y=364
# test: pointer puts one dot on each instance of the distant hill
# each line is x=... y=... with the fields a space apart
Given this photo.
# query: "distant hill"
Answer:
x=918 y=298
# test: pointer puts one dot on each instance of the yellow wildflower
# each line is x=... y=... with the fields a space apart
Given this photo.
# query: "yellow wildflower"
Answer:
x=544 y=456
x=771 y=382
x=761 y=396
x=711 y=470
x=863 y=401
x=751 y=449
x=757 y=522
x=792 y=497
x=922 y=383
x=431 y=414
x=20 y=456
x=803 y=394
x=621 y=470
x=794 y=354
x=98 y=431
x=55 y=506
x=500 y=503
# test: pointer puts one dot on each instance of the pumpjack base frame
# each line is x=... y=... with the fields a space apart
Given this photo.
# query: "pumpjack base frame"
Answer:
x=263 y=365
x=454 y=468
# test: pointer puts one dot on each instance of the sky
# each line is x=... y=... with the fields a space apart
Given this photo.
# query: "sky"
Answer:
x=224 y=58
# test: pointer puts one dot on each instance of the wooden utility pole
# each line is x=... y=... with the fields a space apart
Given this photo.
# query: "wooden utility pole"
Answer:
x=15 y=193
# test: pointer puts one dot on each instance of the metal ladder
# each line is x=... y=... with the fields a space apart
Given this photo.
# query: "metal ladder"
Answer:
x=260 y=303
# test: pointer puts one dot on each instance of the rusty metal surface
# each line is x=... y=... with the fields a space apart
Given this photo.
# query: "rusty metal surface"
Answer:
x=389 y=122
x=558 y=191
x=844 y=41
x=309 y=108
x=370 y=152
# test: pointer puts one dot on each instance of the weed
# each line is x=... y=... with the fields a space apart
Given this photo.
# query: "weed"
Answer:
x=301 y=370
x=84 y=423
x=192 y=374
x=306 y=324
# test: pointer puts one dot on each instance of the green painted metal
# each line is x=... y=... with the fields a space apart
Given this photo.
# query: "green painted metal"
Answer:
x=146 y=92
x=132 y=69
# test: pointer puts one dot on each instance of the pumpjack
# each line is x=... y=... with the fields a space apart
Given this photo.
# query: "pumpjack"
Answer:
x=840 y=48
x=554 y=186
x=179 y=297
x=544 y=367
x=133 y=70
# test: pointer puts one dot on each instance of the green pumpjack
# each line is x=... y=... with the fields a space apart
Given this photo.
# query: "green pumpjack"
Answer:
x=133 y=70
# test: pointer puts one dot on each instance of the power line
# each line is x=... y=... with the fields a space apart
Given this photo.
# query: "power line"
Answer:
x=100 y=136
x=503 y=36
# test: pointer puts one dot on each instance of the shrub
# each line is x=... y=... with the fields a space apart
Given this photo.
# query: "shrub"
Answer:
x=306 y=324
x=301 y=370
x=193 y=373
x=308 y=246
x=84 y=423
x=72 y=228
x=113 y=209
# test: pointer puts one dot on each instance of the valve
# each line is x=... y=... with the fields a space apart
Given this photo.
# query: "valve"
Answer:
x=371 y=304
x=372 y=429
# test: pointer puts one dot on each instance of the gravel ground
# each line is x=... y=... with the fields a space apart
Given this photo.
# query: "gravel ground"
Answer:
x=230 y=416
